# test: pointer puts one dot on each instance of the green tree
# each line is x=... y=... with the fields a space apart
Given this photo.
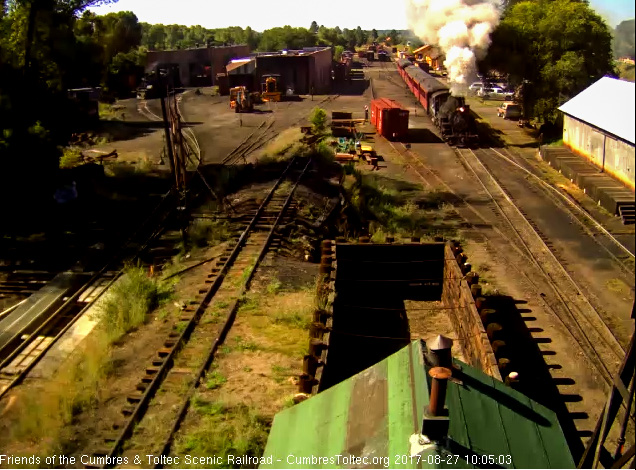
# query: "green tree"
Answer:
x=314 y=27
x=395 y=37
x=337 y=53
x=361 y=36
x=374 y=35
x=555 y=48
x=286 y=38
x=318 y=119
x=624 y=39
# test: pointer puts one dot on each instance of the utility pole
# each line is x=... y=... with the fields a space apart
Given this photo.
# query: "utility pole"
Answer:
x=166 y=124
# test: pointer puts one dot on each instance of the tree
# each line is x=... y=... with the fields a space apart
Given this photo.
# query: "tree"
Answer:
x=318 y=119
x=374 y=35
x=337 y=53
x=313 y=28
x=556 y=48
x=624 y=39
x=361 y=36
x=395 y=37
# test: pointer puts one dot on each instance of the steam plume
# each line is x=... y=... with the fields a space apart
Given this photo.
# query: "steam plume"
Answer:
x=462 y=30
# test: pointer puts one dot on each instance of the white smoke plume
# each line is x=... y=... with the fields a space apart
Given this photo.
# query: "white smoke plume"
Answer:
x=461 y=28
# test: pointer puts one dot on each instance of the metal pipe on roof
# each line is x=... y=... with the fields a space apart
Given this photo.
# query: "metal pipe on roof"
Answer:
x=437 y=397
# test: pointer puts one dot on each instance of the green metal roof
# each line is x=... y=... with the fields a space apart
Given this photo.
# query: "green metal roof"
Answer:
x=373 y=415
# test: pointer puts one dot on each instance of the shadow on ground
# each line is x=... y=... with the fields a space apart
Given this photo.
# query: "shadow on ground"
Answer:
x=533 y=365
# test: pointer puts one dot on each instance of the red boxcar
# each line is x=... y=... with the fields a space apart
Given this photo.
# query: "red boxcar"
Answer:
x=390 y=118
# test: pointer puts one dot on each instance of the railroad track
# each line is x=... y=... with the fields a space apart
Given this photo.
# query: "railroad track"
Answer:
x=505 y=225
x=572 y=306
x=22 y=283
x=31 y=342
x=613 y=247
x=264 y=133
x=191 y=139
x=189 y=350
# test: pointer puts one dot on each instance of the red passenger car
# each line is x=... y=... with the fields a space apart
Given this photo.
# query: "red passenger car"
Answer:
x=390 y=118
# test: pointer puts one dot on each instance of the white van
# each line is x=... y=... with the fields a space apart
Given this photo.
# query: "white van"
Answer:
x=509 y=110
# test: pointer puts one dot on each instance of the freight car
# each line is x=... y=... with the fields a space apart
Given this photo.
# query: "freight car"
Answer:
x=390 y=118
x=449 y=113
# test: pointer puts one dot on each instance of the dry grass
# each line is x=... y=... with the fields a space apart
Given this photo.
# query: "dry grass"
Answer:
x=284 y=146
x=254 y=375
x=41 y=414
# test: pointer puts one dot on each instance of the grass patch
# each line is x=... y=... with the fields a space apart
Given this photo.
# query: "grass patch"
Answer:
x=243 y=345
x=130 y=299
x=280 y=374
x=282 y=319
x=617 y=286
x=215 y=380
x=42 y=414
x=205 y=232
x=287 y=144
x=391 y=207
x=274 y=287
x=237 y=430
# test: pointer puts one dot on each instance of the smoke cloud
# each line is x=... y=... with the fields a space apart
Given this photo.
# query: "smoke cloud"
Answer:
x=461 y=28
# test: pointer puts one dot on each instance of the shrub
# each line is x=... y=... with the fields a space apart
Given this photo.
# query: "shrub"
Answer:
x=130 y=299
x=318 y=119
x=71 y=157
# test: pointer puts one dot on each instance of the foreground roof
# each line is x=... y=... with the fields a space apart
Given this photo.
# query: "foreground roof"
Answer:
x=375 y=413
x=607 y=104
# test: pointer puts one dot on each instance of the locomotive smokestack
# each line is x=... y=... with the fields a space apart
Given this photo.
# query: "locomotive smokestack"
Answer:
x=461 y=28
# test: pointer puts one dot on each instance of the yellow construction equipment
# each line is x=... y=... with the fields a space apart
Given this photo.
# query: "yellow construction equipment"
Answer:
x=241 y=100
x=270 y=88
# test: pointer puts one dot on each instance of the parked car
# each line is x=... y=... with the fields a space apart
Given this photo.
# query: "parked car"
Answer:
x=509 y=110
x=475 y=87
x=494 y=93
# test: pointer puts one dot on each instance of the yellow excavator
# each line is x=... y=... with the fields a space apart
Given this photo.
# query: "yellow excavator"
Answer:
x=270 y=88
x=241 y=100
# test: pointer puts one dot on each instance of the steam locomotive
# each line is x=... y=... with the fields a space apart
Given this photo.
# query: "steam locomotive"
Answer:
x=450 y=113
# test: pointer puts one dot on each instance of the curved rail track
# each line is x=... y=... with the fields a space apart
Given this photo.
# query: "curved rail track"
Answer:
x=264 y=133
x=198 y=333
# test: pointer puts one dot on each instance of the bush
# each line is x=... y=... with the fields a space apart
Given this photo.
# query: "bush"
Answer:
x=318 y=119
x=71 y=157
x=130 y=299
x=204 y=232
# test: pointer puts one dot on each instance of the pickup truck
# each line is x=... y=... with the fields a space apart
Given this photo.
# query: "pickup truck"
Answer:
x=509 y=110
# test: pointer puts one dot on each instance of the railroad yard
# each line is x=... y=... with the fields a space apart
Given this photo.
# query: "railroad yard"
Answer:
x=244 y=314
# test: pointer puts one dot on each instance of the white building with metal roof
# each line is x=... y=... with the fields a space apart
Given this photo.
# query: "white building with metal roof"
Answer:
x=598 y=124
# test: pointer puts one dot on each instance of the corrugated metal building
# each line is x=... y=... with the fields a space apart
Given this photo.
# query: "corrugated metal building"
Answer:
x=373 y=420
x=197 y=66
x=598 y=124
x=300 y=70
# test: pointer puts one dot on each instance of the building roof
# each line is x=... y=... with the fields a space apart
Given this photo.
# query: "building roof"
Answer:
x=425 y=47
x=236 y=63
x=375 y=413
x=608 y=105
